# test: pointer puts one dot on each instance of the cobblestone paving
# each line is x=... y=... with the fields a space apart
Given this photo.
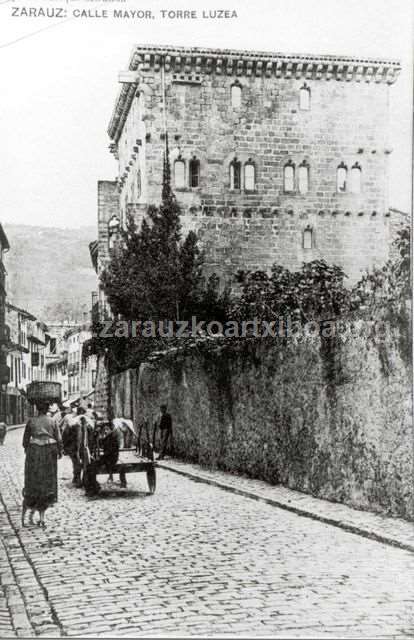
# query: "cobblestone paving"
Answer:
x=6 y=577
x=196 y=560
x=395 y=531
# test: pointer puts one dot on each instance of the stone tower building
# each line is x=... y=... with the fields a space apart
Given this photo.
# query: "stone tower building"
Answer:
x=274 y=158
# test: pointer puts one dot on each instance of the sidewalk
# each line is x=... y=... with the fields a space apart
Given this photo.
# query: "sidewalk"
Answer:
x=392 y=531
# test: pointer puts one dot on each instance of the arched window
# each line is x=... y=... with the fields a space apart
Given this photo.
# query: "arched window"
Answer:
x=249 y=176
x=289 y=176
x=236 y=92
x=194 y=172
x=303 y=175
x=179 y=174
x=341 y=175
x=304 y=98
x=235 y=174
x=356 y=174
x=308 y=238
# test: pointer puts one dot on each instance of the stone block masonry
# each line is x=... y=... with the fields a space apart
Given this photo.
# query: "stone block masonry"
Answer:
x=343 y=121
x=354 y=242
x=108 y=207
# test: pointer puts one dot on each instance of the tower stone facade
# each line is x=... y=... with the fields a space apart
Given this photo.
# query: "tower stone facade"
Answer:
x=274 y=158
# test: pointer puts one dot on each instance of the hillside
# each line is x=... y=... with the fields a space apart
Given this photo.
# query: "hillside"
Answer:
x=49 y=270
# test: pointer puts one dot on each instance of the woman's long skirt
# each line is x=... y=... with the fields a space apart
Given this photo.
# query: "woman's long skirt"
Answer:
x=40 y=476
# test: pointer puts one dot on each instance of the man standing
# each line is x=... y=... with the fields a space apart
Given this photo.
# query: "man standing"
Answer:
x=56 y=414
x=166 y=430
x=71 y=437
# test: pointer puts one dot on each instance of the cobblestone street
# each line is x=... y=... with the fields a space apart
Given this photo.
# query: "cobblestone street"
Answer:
x=190 y=560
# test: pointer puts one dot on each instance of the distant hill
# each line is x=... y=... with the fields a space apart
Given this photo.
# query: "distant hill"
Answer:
x=49 y=270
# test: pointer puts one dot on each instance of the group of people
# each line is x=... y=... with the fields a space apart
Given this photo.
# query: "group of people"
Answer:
x=86 y=438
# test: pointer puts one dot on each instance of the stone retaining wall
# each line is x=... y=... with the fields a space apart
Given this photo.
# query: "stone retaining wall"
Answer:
x=327 y=417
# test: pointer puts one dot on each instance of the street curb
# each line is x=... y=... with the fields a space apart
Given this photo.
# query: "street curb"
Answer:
x=340 y=524
x=22 y=618
x=17 y=611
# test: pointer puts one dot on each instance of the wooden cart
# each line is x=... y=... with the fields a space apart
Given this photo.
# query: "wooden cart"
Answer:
x=131 y=460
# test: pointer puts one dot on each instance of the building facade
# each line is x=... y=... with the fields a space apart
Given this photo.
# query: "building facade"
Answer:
x=57 y=357
x=81 y=373
x=4 y=329
x=19 y=361
x=274 y=158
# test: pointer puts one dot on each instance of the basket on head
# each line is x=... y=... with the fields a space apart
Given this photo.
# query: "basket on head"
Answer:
x=44 y=390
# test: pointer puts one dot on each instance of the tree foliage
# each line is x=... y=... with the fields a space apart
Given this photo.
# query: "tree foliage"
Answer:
x=389 y=286
x=153 y=273
x=319 y=291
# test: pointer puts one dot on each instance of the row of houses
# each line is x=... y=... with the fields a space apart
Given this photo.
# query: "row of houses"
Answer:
x=40 y=351
x=31 y=350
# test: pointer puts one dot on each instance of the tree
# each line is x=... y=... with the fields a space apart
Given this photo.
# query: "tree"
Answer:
x=388 y=286
x=153 y=274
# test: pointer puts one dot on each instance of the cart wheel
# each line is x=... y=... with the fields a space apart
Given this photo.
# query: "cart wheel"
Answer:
x=152 y=479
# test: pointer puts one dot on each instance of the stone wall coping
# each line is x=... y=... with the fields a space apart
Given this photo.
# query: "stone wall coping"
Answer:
x=246 y=63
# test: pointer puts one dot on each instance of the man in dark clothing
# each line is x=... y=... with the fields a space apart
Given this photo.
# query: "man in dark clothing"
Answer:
x=166 y=430
x=71 y=437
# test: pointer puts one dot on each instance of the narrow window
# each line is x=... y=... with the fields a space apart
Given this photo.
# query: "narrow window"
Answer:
x=304 y=178
x=236 y=96
x=308 y=238
x=138 y=184
x=179 y=174
x=341 y=174
x=304 y=98
x=289 y=177
x=249 y=176
x=194 y=172
x=113 y=230
x=356 y=178
x=235 y=174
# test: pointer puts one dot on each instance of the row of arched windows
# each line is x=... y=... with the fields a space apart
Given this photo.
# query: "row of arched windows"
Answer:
x=186 y=176
x=299 y=180
x=290 y=177
x=242 y=176
x=353 y=185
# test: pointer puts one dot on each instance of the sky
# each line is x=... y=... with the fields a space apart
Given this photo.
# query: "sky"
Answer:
x=58 y=86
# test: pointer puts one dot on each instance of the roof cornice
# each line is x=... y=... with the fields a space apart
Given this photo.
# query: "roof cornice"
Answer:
x=23 y=312
x=247 y=63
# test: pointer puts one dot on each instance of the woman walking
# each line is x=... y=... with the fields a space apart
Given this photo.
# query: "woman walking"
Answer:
x=43 y=445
